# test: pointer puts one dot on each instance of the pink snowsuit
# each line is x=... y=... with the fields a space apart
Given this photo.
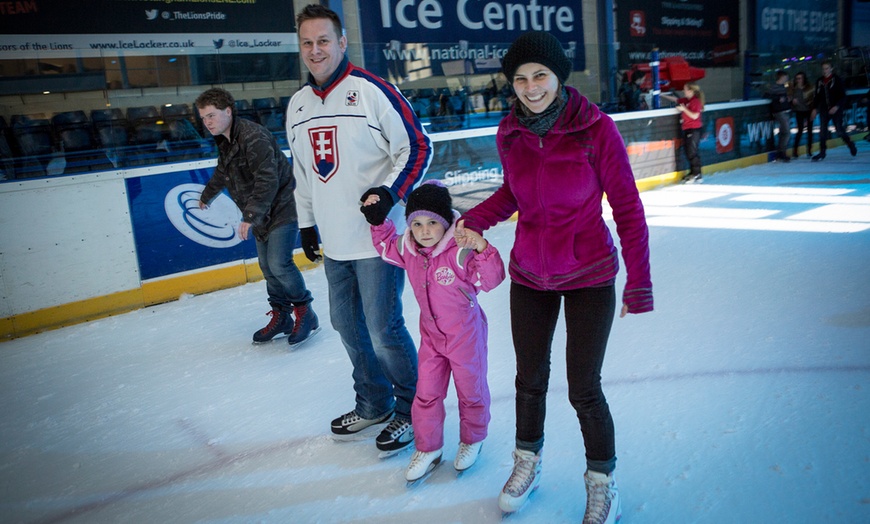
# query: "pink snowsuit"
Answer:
x=453 y=329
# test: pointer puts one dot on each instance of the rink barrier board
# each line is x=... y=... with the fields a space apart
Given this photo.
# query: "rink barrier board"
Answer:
x=210 y=279
x=168 y=289
x=222 y=275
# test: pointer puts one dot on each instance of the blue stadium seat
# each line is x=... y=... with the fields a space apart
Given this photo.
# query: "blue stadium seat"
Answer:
x=245 y=110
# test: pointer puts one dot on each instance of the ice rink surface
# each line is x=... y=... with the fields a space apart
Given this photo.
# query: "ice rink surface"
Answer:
x=744 y=397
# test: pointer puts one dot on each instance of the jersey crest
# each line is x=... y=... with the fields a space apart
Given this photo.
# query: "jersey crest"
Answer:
x=323 y=143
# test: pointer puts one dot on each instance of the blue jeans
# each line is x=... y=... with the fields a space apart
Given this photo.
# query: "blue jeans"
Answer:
x=365 y=307
x=284 y=282
x=782 y=120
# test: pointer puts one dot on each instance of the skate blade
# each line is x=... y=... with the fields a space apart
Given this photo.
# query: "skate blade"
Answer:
x=310 y=336
x=432 y=467
x=279 y=336
x=459 y=472
x=385 y=454
x=506 y=514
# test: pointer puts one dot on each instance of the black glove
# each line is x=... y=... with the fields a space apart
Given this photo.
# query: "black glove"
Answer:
x=310 y=246
x=377 y=213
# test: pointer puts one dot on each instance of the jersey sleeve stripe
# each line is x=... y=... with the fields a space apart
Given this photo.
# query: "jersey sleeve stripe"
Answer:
x=421 y=146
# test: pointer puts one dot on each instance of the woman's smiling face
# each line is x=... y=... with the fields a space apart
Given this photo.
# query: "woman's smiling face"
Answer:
x=536 y=86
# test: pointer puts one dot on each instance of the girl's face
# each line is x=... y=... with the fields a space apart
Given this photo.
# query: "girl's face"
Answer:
x=800 y=80
x=427 y=231
x=688 y=93
x=536 y=86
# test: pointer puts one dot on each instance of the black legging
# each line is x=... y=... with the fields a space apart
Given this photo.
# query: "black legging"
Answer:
x=824 y=120
x=803 y=120
x=589 y=316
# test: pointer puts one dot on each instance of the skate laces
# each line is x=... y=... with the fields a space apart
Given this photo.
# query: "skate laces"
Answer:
x=598 y=499
x=418 y=458
x=350 y=418
x=300 y=311
x=396 y=427
x=522 y=475
x=276 y=317
x=465 y=452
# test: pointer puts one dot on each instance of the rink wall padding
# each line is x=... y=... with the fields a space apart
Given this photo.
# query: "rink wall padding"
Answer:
x=83 y=247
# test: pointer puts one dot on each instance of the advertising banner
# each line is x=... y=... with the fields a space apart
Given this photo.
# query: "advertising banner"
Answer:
x=172 y=234
x=59 y=28
x=704 y=32
x=806 y=26
x=728 y=133
x=860 y=23
x=420 y=38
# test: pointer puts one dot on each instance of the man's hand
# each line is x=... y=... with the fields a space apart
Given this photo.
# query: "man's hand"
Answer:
x=377 y=212
x=244 y=229
x=310 y=246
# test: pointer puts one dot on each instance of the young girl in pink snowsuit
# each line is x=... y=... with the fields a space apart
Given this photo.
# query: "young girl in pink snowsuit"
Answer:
x=453 y=327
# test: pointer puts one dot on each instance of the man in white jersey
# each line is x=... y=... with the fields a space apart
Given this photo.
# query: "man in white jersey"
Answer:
x=352 y=134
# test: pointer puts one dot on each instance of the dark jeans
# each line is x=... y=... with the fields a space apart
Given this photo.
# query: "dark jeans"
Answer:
x=691 y=143
x=588 y=317
x=784 y=128
x=824 y=120
x=803 y=120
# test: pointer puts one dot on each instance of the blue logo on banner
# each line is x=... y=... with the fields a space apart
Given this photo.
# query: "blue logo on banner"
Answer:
x=172 y=234
x=214 y=226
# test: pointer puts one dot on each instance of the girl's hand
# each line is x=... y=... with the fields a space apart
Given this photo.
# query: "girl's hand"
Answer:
x=372 y=199
x=463 y=237
x=624 y=311
x=478 y=243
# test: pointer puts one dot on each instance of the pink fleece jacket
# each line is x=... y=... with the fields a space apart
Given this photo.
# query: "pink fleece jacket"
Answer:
x=556 y=183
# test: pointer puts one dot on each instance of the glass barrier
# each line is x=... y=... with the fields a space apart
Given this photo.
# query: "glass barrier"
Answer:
x=94 y=110
x=850 y=63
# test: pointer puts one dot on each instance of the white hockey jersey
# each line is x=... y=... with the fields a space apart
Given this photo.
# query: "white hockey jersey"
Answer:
x=358 y=133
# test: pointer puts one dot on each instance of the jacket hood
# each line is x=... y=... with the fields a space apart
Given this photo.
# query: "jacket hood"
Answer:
x=578 y=114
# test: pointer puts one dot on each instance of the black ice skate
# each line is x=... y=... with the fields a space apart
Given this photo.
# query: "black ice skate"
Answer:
x=281 y=324
x=305 y=327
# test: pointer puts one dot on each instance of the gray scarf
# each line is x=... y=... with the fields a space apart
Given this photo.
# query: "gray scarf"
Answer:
x=541 y=123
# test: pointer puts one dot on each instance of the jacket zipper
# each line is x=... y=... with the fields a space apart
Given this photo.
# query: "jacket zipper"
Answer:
x=470 y=301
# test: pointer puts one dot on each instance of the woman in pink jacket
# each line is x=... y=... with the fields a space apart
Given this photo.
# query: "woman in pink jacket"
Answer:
x=560 y=155
x=453 y=330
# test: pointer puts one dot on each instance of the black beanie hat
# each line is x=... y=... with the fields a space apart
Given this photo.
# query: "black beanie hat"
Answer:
x=538 y=47
x=431 y=199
